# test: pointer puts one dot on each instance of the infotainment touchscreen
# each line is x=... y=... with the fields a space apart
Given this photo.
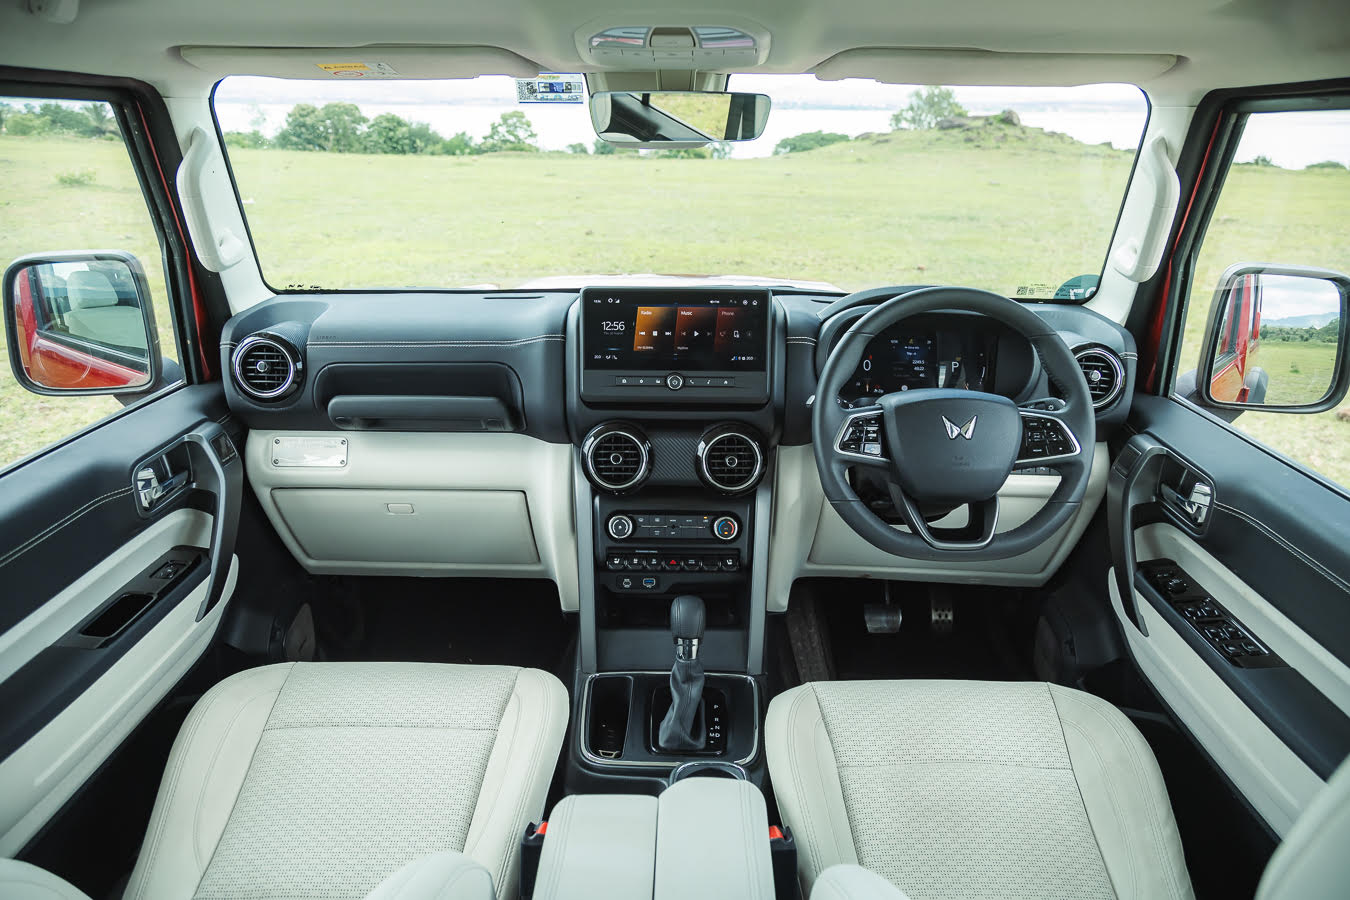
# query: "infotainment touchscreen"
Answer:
x=685 y=331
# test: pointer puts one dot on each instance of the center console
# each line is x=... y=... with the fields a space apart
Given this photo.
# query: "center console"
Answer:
x=675 y=398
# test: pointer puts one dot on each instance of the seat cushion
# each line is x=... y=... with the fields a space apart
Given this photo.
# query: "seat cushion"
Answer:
x=973 y=789
x=322 y=779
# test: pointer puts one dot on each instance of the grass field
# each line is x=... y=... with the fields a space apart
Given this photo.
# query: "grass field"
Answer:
x=995 y=207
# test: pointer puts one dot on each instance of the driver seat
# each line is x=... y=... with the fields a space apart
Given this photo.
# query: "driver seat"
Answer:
x=968 y=789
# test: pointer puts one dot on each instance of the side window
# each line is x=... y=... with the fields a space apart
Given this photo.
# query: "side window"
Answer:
x=1284 y=203
x=70 y=188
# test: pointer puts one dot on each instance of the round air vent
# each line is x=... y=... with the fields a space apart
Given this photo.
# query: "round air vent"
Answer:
x=1105 y=375
x=617 y=457
x=730 y=460
x=267 y=367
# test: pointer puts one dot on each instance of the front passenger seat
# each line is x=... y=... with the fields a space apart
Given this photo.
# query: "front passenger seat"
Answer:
x=967 y=789
x=324 y=779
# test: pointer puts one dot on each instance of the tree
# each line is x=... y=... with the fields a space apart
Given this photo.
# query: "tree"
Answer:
x=927 y=107
x=248 y=140
x=337 y=127
x=512 y=131
x=101 y=122
x=603 y=147
x=579 y=149
x=388 y=133
x=809 y=141
x=345 y=124
x=459 y=145
x=721 y=150
x=304 y=129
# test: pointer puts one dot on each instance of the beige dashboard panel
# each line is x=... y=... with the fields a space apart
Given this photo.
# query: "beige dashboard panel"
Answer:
x=809 y=539
x=453 y=505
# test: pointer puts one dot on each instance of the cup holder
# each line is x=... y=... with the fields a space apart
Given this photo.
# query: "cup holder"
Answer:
x=709 y=768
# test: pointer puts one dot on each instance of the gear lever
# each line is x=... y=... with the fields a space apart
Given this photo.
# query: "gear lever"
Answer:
x=686 y=678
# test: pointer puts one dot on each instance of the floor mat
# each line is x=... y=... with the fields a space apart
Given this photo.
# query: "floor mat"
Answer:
x=478 y=621
x=991 y=636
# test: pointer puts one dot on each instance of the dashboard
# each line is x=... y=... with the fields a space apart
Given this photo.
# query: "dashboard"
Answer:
x=464 y=426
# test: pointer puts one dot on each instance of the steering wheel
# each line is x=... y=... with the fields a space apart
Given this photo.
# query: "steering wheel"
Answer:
x=941 y=448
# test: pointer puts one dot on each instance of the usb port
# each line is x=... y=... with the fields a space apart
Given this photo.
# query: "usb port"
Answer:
x=649 y=583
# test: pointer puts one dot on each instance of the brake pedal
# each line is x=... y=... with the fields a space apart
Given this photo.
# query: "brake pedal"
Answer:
x=882 y=616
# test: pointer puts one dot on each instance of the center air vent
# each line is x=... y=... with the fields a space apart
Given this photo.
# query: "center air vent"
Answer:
x=730 y=461
x=267 y=367
x=1104 y=373
x=617 y=457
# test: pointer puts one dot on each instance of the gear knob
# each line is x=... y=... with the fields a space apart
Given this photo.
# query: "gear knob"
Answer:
x=686 y=625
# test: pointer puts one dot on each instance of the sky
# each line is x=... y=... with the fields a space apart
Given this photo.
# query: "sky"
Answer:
x=1113 y=113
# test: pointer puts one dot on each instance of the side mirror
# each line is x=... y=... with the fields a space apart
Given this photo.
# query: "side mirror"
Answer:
x=1276 y=340
x=655 y=118
x=81 y=323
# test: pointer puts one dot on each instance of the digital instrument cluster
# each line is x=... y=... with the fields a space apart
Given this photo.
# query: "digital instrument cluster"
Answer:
x=903 y=360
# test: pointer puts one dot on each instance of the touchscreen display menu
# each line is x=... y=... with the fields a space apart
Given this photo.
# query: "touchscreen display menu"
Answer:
x=685 y=331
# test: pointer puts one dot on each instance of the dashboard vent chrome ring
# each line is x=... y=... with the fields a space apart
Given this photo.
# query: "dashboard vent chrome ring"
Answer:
x=617 y=458
x=266 y=367
x=1104 y=373
x=730 y=461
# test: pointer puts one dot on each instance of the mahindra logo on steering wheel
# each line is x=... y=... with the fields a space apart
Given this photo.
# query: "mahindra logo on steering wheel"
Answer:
x=966 y=431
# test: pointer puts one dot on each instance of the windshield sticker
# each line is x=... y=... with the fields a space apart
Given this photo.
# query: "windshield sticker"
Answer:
x=1035 y=290
x=359 y=70
x=551 y=88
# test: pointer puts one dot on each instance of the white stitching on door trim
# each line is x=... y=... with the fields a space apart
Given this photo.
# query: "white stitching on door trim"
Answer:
x=1307 y=560
x=43 y=535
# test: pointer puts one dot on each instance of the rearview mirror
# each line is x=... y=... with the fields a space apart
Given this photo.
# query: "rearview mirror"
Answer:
x=687 y=117
x=80 y=323
x=1276 y=340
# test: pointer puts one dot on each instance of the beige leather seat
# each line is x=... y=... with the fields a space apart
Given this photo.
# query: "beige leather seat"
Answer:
x=1310 y=863
x=324 y=779
x=973 y=789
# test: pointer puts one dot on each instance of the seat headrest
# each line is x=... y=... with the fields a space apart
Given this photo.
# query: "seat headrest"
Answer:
x=88 y=289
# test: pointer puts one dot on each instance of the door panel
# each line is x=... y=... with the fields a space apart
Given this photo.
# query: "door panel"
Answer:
x=107 y=603
x=1273 y=551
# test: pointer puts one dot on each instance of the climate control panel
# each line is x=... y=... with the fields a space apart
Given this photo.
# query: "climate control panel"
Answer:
x=673 y=526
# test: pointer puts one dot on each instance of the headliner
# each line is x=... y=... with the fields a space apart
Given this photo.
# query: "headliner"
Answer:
x=1242 y=42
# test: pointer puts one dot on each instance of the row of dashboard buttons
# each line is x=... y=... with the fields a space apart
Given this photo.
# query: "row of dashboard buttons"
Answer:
x=675 y=381
x=729 y=562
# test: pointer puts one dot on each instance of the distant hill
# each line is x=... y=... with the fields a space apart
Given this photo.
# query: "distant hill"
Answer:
x=1312 y=320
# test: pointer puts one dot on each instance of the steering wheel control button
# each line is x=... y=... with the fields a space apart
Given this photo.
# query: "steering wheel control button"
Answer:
x=619 y=527
x=725 y=528
x=861 y=435
x=1045 y=437
x=674 y=381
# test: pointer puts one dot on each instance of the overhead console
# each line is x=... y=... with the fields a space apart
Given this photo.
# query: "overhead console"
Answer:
x=707 y=347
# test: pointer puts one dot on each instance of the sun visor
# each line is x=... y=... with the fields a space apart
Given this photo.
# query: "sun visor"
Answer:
x=980 y=67
x=371 y=62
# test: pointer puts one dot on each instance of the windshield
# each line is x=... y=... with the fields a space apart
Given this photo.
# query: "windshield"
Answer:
x=479 y=183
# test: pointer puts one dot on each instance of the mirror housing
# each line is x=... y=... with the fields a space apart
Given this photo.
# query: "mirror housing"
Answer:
x=1251 y=301
x=81 y=323
x=673 y=119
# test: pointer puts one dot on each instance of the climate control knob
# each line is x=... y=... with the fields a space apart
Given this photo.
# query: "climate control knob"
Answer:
x=619 y=527
x=726 y=528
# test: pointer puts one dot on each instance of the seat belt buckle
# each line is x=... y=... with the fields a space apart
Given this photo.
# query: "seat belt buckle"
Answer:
x=531 y=847
x=783 y=855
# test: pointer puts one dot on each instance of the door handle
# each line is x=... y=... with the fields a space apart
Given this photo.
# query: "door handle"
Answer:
x=1195 y=507
x=155 y=481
